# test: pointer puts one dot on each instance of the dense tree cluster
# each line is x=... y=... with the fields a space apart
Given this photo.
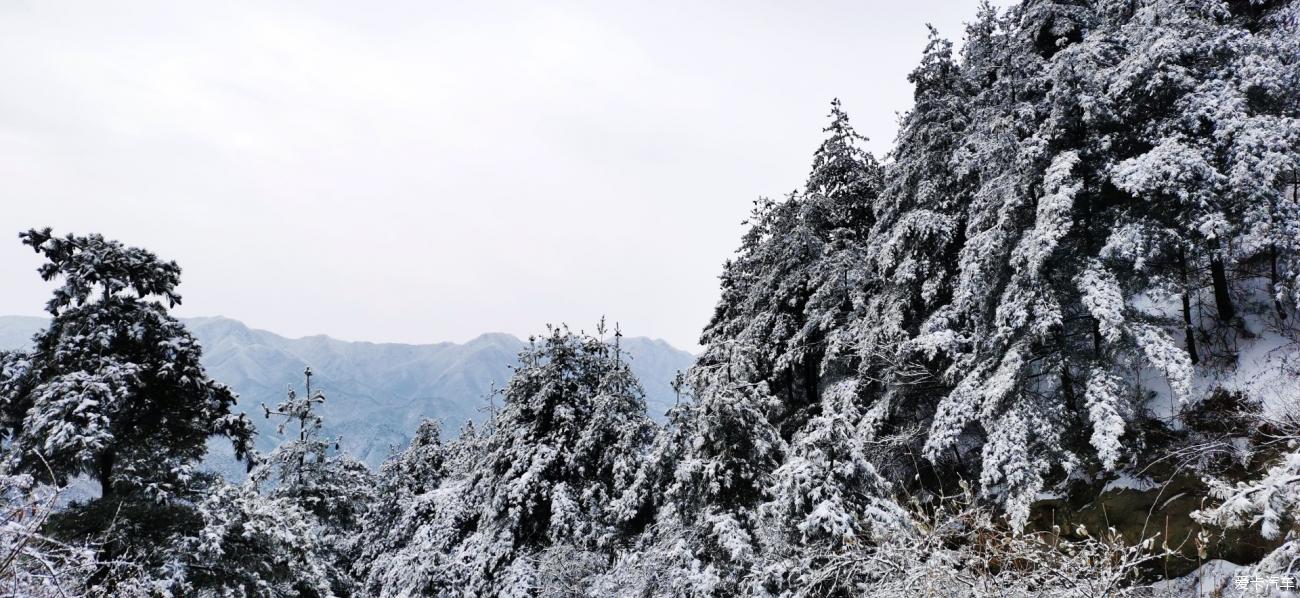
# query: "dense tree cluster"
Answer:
x=1077 y=270
x=536 y=485
x=113 y=391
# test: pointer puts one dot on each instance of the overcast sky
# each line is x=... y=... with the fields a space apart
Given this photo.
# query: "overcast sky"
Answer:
x=428 y=171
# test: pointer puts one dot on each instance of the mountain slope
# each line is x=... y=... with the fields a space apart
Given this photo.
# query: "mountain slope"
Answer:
x=376 y=392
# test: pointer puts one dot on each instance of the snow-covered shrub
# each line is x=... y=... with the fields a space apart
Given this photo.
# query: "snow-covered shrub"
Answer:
x=1270 y=501
x=32 y=563
x=963 y=549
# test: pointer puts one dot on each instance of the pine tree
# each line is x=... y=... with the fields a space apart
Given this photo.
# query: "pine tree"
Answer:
x=114 y=388
x=13 y=377
x=252 y=545
x=921 y=209
x=779 y=337
x=795 y=277
x=913 y=255
x=730 y=451
x=333 y=491
x=513 y=508
x=565 y=445
x=1096 y=164
x=399 y=509
x=825 y=497
x=845 y=176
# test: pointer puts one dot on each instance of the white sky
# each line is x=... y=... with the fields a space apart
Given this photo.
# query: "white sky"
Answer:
x=426 y=171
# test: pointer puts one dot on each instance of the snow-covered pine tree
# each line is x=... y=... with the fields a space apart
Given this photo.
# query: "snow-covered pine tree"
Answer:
x=912 y=256
x=826 y=496
x=827 y=493
x=639 y=504
x=566 y=443
x=465 y=452
x=723 y=466
x=113 y=388
x=1116 y=157
x=846 y=176
x=839 y=207
x=1252 y=109
x=250 y=544
x=532 y=495
x=426 y=509
x=661 y=561
x=13 y=377
x=333 y=490
x=795 y=276
x=398 y=510
x=1000 y=335
x=778 y=337
x=921 y=210
x=1216 y=148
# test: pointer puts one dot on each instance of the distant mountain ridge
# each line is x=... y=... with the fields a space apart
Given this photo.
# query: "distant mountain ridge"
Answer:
x=376 y=392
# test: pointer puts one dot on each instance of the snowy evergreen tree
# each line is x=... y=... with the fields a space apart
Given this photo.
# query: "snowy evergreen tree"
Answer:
x=795 y=277
x=825 y=497
x=13 y=375
x=921 y=209
x=333 y=491
x=1019 y=267
x=113 y=388
x=845 y=176
x=254 y=545
x=396 y=514
x=497 y=508
x=912 y=259
x=333 y=487
x=722 y=473
x=1086 y=211
x=778 y=339
x=566 y=443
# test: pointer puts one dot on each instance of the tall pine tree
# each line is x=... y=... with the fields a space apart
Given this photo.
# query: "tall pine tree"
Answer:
x=113 y=387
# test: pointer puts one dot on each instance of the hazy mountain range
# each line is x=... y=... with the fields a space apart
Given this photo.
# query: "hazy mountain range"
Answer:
x=376 y=393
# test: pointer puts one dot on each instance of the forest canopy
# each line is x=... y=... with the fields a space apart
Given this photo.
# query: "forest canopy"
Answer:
x=1047 y=345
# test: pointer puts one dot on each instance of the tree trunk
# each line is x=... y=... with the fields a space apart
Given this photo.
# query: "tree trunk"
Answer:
x=812 y=377
x=1189 y=337
x=1096 y=337
x=1277 y=303
x=1222 y=299
x=104 y=473
x=1067 y=383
